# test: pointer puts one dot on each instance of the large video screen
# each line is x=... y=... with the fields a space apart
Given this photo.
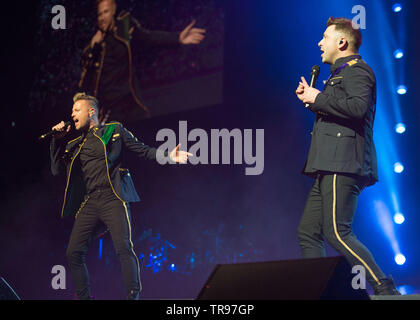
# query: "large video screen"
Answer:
x=154 y=58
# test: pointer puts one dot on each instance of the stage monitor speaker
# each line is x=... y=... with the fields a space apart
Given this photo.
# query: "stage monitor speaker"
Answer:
x=6 y=291
x=301 y=279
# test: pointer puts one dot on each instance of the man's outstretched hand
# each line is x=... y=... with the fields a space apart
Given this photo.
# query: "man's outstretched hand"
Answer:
x=179 y=156
x=191 y=35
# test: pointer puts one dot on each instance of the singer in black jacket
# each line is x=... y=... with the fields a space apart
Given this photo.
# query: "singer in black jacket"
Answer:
x=342 y=156
x=99 y=188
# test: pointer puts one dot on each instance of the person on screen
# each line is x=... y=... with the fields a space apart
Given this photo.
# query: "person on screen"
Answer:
x=107 y=61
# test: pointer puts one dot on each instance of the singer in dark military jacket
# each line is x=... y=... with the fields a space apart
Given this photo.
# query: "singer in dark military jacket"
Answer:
x=107 y=63
x=342 y=155
x=99 y=187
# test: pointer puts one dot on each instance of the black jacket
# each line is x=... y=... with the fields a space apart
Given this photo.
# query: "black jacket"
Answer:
x=342 y=136
x=128 y=31
x=64 y=158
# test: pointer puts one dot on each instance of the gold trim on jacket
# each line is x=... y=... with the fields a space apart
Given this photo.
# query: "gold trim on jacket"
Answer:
x=98 y=77
x=130 y=77
x=107 y=167
x=69 y=175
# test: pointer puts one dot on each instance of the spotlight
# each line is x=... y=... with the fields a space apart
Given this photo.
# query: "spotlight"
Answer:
x=172 y=267
x=402 y=89
x=400 y=259
x=402 y=290
x=399 y=218
x=398 y=54
x=398 y=167
x=407 y=289
x=100 y=248
x=400 y=128
x=397 y=7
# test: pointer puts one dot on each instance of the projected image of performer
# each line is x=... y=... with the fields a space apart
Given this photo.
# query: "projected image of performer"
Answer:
x=99 y=188
x=107 y=62
x=342 y=156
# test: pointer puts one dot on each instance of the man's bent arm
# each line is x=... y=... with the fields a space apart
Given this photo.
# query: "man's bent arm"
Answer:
x=139 y=148
x=141 y=34
x=359 y=87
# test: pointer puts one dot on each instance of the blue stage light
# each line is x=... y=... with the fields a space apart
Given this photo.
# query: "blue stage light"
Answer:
x=400 y=128
x=402 y=89
x=100 y=248
x=398 y=167
x=399 y=218
x=397 y=7
x=400 y=259
x=398 y=54
x=172 y=267
x=407 y=289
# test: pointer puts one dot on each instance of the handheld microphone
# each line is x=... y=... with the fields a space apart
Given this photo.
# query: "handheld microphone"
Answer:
x=314 y=77
x=50 y=133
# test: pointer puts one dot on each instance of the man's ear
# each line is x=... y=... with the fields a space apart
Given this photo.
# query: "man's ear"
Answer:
x=342 y=43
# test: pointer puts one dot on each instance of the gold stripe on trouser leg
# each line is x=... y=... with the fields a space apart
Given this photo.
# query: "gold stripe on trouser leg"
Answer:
x=338 y=236
x=131 y=243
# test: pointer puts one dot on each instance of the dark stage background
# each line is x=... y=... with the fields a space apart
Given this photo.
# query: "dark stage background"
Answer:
x=194 y=217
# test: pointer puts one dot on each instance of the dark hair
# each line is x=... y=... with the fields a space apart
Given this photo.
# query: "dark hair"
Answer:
x=354 y=36
x=93 y=102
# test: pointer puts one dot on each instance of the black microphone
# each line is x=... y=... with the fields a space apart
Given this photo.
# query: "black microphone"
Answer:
x=314 y=77
x=48 y=134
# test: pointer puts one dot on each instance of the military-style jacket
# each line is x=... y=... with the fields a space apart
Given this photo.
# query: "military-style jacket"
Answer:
x=342 y=136
x=126 y=30
x=64 y=157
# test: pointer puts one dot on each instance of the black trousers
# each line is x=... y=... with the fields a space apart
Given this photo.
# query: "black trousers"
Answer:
x=328 y=215
x=104 y=206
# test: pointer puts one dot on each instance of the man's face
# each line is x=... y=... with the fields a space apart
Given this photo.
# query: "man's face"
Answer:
x=329 y=45
x=106 y=12
x=80 y=114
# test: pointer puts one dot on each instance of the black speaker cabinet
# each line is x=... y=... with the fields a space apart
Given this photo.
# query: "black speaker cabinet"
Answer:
x=301 y=279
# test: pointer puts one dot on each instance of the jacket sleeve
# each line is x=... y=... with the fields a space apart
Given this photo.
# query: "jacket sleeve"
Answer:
x=88 y=57
x=56 y=157
x=139 y=148
x=359 y=86
x=163 y=38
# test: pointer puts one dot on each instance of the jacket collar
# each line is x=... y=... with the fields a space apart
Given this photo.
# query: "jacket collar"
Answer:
x=342 y=60
x=91 y=130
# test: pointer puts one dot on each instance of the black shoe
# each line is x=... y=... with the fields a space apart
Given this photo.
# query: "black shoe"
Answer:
x=387 y=287
x=75 y=297
x=133 y=295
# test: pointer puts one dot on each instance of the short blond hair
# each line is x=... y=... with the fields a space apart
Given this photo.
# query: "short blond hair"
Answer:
x=93 y=102
x=99 y=1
